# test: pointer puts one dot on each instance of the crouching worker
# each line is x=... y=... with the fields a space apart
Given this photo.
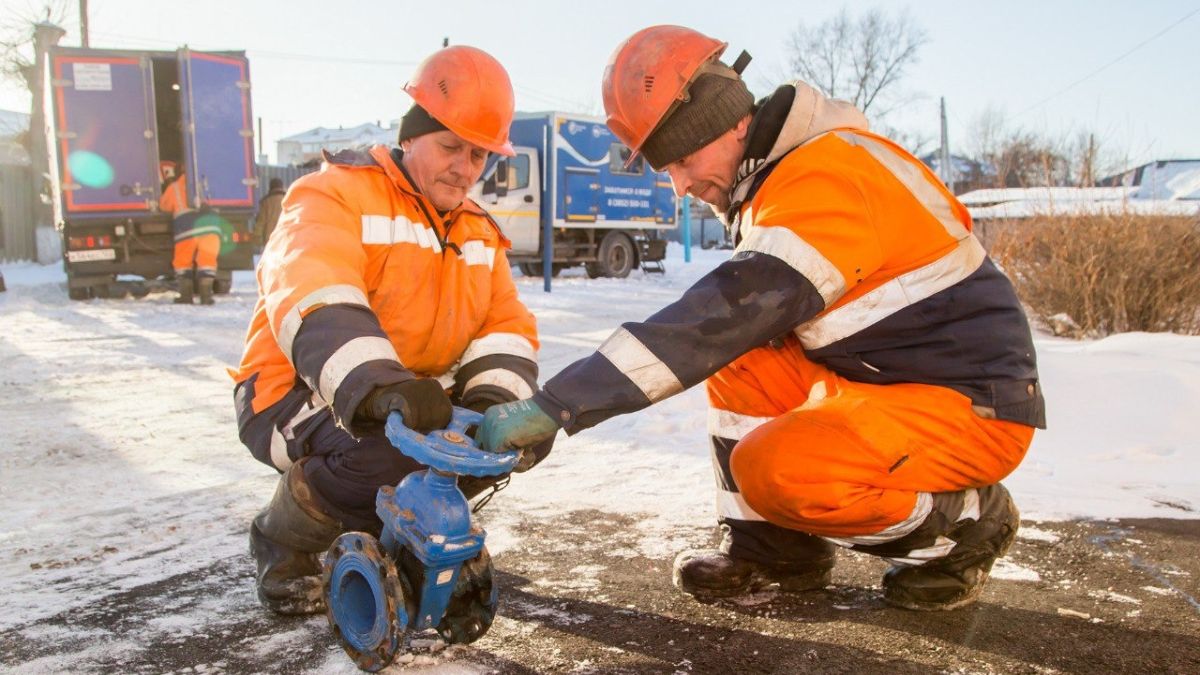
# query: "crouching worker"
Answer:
x=383 y=289
x=197 y=246
x=870 y=373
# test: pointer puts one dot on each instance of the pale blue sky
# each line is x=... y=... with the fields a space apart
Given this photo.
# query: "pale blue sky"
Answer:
x=322 y=63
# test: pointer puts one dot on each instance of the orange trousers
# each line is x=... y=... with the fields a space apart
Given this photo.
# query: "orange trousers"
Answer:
x=202 y=251
x=841 y=458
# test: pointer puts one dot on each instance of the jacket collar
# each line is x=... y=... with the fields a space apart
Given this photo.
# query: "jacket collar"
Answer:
x=790 y=117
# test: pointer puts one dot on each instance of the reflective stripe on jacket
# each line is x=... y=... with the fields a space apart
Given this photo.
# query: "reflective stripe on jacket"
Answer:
x=362 y=285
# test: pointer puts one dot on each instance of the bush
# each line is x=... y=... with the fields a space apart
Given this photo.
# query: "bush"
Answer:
x=1090 y=276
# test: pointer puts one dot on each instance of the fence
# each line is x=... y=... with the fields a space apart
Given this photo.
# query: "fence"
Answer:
x=17 y=238
x=287 y=174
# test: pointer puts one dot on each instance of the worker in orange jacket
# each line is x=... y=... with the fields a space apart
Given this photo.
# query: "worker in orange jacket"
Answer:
x=383 y=288
x=870 y=372
x=197 y=245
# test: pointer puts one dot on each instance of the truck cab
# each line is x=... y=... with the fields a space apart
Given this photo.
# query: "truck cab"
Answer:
x=115 y=116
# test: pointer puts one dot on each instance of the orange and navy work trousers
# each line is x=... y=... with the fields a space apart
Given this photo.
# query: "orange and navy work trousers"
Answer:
x=200 y=251
x=799 y=449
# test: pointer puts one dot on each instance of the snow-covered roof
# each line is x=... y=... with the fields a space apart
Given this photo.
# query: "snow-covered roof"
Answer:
x=1044 y=195
x=368 y=132
x=1173 y=179
x=1141 y=207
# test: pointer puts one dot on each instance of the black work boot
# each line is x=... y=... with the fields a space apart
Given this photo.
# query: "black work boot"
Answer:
x=204 y=286
x=185 y=290
x=285 y=540
x=804 y=563
x=956 y=579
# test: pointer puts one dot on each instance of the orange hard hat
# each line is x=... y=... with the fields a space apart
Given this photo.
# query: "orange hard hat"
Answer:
x=167 y=169
x=648 y=76
x=469 y=92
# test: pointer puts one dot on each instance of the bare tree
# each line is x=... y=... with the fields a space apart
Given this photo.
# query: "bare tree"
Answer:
x=860 y=59
x=17 y=58
x=1016 y=157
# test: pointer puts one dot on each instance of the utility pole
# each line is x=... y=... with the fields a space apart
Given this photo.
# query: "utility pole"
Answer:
x=1088 y=179
x=945 y=169
x=41 y=128
x=83 y=23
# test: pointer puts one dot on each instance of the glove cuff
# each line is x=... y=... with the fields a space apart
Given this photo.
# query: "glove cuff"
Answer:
x=554 y=409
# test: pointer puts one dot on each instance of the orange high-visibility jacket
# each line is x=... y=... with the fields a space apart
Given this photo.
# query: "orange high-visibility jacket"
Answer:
x=363 y=284
x=174 y=196
x=185 y=221
x=853 y=245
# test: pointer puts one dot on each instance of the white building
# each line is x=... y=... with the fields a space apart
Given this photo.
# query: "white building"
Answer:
x=307 y=146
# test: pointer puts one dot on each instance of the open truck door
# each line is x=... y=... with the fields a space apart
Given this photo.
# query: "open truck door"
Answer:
x=218 y=137
x=218 y=145
x=103 y=103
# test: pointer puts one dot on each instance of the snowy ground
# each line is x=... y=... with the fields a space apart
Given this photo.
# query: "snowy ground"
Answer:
x=121 y=471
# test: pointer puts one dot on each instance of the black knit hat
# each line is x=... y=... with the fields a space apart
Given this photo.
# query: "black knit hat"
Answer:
x=715 y=105
x=417 y=122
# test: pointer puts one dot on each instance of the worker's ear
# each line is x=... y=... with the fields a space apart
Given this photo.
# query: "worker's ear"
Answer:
x=742 y=127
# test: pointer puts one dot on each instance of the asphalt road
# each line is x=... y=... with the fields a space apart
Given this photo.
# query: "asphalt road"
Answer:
x=1073 y=597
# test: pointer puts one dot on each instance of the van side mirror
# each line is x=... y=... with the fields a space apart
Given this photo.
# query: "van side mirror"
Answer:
x=501 y=177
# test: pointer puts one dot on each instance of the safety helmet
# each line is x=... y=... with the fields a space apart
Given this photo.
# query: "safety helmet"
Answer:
x=168 y=169
x=469 y=92
x=648 y=76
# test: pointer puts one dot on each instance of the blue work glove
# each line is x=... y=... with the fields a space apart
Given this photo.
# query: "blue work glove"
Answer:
x=519 y=425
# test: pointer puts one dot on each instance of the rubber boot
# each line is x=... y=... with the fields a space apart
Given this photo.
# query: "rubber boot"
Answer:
x=957 y=579
x=709 y=574
x=285 y=540
x=204 y=285
x=185 y=290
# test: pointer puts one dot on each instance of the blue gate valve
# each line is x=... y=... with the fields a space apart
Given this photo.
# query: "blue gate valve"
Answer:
x=429 y=567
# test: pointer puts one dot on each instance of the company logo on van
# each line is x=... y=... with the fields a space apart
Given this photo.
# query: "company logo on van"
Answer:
x=598 y=130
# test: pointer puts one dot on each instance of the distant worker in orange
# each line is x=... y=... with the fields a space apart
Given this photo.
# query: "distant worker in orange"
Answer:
x=871 y=375
x=383 y=288
x=196 y=245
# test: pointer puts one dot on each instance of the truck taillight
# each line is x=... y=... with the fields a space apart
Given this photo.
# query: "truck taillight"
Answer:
x=90 y=241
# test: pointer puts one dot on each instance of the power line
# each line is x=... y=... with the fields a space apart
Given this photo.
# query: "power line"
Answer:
x=1097 y=71
x=556 y=101
x=269 y=54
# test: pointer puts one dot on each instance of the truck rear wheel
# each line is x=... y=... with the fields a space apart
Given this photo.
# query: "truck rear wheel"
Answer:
x=535 y=269
x=616 y=256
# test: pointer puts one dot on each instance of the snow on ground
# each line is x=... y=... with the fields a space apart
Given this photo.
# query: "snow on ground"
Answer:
x=117 y=434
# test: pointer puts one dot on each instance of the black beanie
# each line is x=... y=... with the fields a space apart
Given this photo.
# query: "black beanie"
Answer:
x=417 y=122
x=715 y=105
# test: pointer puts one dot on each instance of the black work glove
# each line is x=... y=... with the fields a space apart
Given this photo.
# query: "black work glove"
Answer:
x=483 y=397
x=422 y=402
